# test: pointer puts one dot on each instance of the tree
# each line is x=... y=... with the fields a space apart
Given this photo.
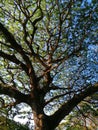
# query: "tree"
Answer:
x=84 y=119
x=37 y=38
x=9 y=124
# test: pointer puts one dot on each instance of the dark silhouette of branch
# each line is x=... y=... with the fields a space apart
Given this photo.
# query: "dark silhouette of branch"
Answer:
x=10 y=38
x=11 y=91
x=13 y=59
x=67 y=107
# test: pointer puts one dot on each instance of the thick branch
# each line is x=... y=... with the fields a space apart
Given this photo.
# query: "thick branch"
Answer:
x=13 y=59
x=11 y=91
x=10 y=38
x=67 y=107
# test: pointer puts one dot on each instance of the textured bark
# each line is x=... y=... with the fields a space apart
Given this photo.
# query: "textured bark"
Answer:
x=40 y=122
x=43 y=122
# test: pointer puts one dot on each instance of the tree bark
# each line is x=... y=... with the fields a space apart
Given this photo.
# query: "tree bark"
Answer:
x=41 y=122
x=44 y=122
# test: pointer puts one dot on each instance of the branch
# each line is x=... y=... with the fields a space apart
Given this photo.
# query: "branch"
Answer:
x=13 y=59
x=12 y=92
x=66 y=108
x=10 y=38
x=58 y=96
x=1 y=79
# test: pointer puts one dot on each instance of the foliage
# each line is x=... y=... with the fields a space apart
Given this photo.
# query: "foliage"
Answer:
x=48 y=58
x=6 y=124
x=85 y=118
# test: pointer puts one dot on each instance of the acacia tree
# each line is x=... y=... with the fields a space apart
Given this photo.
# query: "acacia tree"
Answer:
x=36 y=39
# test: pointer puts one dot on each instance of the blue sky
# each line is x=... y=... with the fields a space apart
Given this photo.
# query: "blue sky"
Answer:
x=89 y=1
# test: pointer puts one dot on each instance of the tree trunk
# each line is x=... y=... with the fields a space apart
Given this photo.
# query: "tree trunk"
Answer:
x=41 y=122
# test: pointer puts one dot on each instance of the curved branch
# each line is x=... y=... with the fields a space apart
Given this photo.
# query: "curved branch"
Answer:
x=11 y=91
x=58 y=96
x=13 y=59
x=67 y=107
x=10 y=38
